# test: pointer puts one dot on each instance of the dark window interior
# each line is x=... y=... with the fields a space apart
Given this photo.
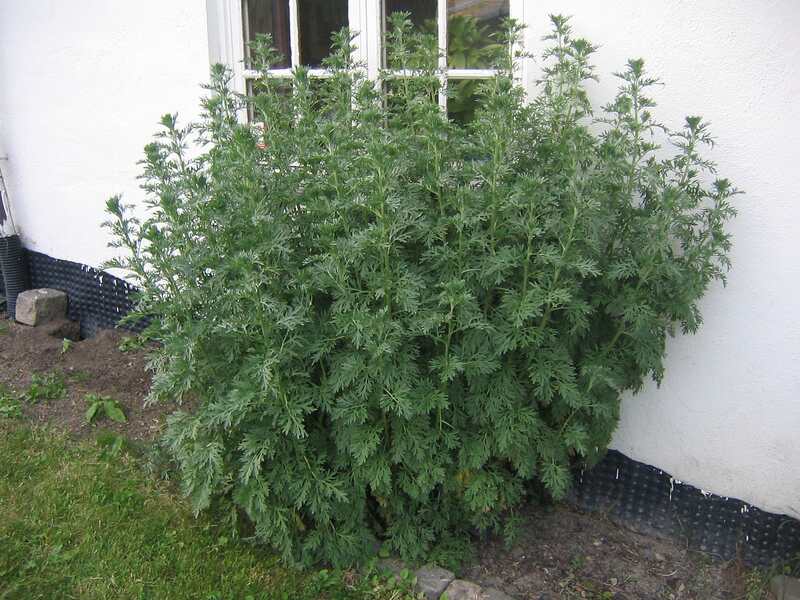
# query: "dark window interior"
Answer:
x=423 y=12
x=318 y=20
x=272 y=17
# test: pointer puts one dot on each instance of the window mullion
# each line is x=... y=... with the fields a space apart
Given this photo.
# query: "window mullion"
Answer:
x=442 y=35
x=294 y=32
x=372 y=26
x=471 y=73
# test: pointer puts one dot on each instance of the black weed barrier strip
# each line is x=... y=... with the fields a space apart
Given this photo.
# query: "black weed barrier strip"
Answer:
x=650 y=501
x=636 y=495
x=97 y=299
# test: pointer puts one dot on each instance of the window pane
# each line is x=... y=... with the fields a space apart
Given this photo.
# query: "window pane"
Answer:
x=272 y=17
x=318 y=20
x=422 y=15
x=470 y=25
x=423 y=12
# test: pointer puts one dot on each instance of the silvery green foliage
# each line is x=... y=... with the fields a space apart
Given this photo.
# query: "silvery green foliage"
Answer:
x=392 y=324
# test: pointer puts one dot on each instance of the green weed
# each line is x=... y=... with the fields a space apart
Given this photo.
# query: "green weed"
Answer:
x=103 y=406
x=48 y=386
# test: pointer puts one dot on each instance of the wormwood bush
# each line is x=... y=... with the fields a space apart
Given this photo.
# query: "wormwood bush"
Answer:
x=393 y=323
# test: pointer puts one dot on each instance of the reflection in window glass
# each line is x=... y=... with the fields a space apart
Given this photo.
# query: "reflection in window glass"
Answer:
x=272 y=17
x=318 y=20
x=470 y=28
x=423 y=12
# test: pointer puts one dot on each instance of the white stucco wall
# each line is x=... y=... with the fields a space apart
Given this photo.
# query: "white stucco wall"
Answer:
x=83 y=83
x=727 y=416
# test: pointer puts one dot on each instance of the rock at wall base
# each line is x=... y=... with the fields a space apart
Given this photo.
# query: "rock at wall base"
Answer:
x=36 y=307
x=785 y=588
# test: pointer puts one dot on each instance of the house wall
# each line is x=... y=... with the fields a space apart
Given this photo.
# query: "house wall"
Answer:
x=727 y=415
x=83 y=83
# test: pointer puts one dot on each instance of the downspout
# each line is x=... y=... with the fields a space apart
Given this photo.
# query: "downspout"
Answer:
x=12 y=257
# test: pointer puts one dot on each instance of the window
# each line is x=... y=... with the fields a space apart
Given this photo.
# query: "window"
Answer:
x=301 y=31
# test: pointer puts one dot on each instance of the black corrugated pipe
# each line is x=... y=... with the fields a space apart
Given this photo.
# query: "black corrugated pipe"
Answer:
x=12 y=256
x=15 y=271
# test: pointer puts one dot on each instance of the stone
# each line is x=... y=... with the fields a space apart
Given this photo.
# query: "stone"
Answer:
x=432 y=581
x=462 y=590
x=494 y=594
x=785 y=588
x=36 y=307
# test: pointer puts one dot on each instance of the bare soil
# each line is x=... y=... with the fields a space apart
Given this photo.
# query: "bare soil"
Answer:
x=563 y=553
x=560 y=553
x=94 y=365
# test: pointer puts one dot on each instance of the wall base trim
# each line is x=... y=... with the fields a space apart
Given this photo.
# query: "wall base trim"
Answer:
x=97 y=300
x=650 y=501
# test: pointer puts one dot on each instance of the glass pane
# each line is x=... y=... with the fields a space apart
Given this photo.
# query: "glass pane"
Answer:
x=318 y=20
x=423 y=12
x=470 y=28
x=272 y=17
x=422 y=15
x=462 y=100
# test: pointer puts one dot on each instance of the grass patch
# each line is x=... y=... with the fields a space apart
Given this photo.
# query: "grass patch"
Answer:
x=79 y=523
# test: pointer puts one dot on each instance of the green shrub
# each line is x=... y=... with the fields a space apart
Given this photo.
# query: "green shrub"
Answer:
x=391 y=323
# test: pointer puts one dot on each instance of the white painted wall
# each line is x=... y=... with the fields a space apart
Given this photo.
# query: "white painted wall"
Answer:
x=82 y=84
x=727 y=416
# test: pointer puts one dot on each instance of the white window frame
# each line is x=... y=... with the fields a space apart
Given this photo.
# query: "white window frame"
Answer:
x=226 y=37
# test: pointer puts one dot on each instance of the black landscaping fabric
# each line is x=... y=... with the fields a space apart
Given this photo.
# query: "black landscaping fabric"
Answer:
x=97 y=299
x=634 y=494
x=652 y=502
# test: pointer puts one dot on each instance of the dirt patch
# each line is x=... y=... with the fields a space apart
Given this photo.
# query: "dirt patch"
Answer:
x=562 y=553
x=95 y=365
